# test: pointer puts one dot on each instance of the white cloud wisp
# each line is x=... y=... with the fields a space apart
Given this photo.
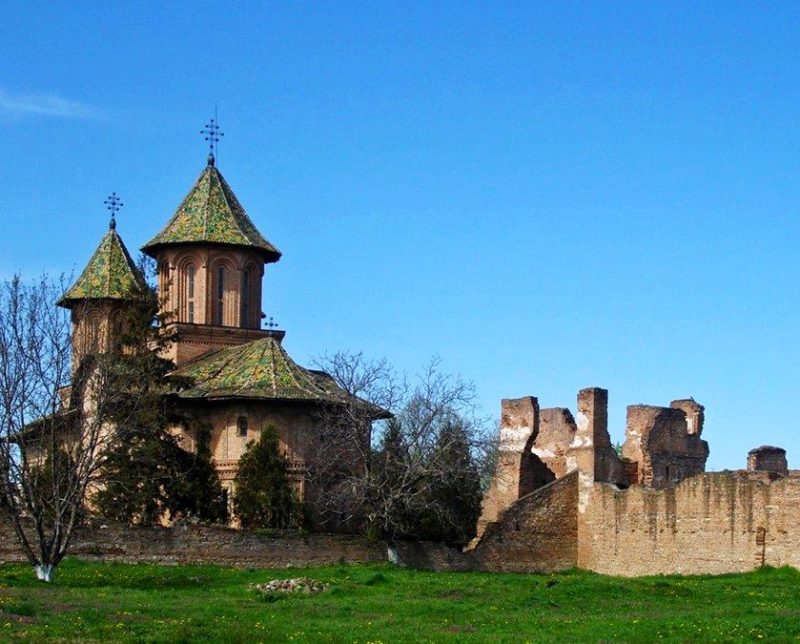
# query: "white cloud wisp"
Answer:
x=46 y=105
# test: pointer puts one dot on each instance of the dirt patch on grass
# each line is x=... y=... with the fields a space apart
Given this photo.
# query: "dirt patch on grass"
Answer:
x=18 y=619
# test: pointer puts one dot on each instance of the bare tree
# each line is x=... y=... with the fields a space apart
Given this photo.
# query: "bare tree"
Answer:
x=50 y=436
x=417 y=473
x=341 y=456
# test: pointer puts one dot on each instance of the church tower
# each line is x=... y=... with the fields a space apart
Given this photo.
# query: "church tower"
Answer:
x=98 y=299
x=210 y=261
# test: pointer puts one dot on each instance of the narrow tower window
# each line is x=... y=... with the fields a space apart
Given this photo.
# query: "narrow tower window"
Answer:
x=190 y=293
x=220 y=293
x=245 y=322
x=241 y=425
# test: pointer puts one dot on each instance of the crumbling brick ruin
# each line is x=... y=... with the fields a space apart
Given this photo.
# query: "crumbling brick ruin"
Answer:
x=767 y=459
x=662 y=447
x=665 y=443
x=561 y=496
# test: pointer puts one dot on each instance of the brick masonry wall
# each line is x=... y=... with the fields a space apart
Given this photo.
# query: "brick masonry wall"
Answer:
x=200 y=544
x=539 y=533
x=710 y=523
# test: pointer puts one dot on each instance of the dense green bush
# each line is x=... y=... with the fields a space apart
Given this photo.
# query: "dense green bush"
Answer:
x=263 y=497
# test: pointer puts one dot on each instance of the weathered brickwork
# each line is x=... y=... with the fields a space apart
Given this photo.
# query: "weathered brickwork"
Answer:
x=556 y=433
x=665 y=442
x=183 y=544
x=710 y=523
x=538 y=533
x=206 y=545
x=592 y=450
x=767 y=459
x=653 y=511
x=518 y=471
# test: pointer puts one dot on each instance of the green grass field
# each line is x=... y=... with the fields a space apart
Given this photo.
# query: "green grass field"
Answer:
x=379 y=603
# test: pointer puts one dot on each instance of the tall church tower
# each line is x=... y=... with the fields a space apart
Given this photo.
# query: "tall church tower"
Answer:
x=98 y=299
x=210 y=261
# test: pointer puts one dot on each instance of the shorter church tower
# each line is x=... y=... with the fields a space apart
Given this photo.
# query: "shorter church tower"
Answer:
x=98 y=299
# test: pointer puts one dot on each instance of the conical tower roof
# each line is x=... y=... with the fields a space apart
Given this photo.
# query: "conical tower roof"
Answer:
x=211 y=214
x=109 y=275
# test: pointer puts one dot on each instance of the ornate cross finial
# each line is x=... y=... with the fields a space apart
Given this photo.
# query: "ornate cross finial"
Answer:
x=271 y=324
x=113 y=204
x=212 y=134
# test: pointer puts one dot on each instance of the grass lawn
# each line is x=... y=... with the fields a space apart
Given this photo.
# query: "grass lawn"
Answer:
x=380 y=603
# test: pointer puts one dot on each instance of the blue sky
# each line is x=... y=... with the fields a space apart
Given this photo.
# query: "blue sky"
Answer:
x=548 y=196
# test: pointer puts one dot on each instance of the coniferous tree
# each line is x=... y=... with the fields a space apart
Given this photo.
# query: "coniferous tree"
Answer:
x=454 y=492
x=390 y=505
x=146 y=473
x=263 y=497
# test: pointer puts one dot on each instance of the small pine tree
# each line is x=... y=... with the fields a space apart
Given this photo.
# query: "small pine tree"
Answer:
x=393 y=518
x=455 y=489
x=263 y=497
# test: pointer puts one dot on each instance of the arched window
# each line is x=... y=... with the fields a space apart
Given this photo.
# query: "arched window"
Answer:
x=241 y=426
x=245 y=322
x=117 y=328
x=249 y=297
x=190 y=290
x=163 y=278
x=92 y=333
x=219 y=303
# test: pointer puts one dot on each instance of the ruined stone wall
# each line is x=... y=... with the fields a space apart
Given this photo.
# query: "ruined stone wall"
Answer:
x=556 y=433
x=538 y=533
x=710 y=523
x=518 y=470
x=665 y=443
x=767 y=459
x=591 y=451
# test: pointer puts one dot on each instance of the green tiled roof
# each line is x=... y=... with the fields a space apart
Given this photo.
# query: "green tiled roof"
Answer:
x=260 y=369
x=211 y=213
x=110 y=274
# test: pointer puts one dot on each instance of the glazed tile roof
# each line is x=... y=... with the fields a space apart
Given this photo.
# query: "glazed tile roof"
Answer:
x=110 y=274
x=260 y=369
x=211 y=213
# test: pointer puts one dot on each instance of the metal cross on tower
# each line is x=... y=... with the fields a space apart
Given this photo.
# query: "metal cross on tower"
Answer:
x=113 y=203
x=271 y=324
x=212 y=134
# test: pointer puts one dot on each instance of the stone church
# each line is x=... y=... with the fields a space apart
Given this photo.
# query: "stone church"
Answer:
x=210 y=261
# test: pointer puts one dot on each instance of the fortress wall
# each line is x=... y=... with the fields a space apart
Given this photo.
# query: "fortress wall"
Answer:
x=710 y=523
x=538 y=533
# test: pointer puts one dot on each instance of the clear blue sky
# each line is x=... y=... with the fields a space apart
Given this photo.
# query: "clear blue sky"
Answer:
x=548 y=195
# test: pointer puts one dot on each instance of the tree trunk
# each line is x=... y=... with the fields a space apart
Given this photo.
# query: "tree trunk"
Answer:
x=44 y=572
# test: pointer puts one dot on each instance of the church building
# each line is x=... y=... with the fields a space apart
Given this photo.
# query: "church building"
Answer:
x=210 y=261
